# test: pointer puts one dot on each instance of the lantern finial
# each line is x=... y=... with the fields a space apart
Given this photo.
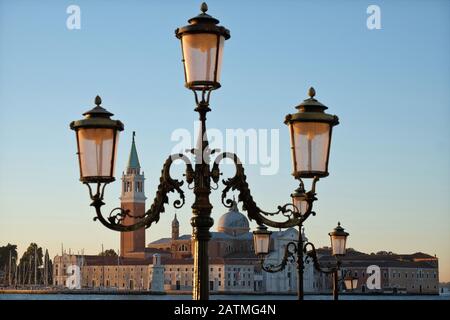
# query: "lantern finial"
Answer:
x=98 y=100
x=311 y=92
x=204 y=7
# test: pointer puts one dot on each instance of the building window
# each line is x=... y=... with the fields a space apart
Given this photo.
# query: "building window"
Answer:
x=249 y=283
x=229 y=283
x=406 y=275
x=234 y=283
x=210 y=269
x=220 y=283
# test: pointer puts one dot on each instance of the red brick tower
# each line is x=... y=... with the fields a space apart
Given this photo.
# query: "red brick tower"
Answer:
x=132 y=244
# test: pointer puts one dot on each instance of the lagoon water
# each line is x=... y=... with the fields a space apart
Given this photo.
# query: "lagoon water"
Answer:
x=69 y=296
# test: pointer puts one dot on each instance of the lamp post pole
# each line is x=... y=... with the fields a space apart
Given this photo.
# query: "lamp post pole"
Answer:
x=201 y=209
x=300 y=265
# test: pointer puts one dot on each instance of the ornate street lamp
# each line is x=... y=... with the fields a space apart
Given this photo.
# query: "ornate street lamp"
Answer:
x=338 y=242
x=351 y=282
x=294 y=252
x=97 y=137
x=261 y=240
x=202 y=46
x=310 y=131
x=338 y=239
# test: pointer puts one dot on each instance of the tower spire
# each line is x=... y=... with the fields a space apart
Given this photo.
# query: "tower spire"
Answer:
x=133 y=160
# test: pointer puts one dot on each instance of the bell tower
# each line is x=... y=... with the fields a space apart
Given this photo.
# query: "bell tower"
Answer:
x=132 y=243
x=175 y=228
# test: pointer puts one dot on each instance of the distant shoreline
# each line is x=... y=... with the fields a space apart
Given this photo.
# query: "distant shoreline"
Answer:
x=134 y=292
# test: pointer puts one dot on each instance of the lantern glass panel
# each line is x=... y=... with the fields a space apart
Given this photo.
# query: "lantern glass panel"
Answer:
x=338 y=244
x=301 y=204
x=310 y=146
x=97 y=152
x=261 y=243
x=200 y=54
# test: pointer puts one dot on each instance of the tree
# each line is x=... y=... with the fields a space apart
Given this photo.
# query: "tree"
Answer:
x=108 y=253
x=47 y=277
x=8 y=258
x=31 y=265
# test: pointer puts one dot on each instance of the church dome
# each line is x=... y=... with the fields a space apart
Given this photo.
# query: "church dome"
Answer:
x=233 y=222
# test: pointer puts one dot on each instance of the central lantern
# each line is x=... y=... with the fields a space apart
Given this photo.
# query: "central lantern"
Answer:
x=202 y=48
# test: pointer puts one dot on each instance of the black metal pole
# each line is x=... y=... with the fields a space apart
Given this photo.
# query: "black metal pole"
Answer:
x=335 y=285
x=201 y=210
x=300 y=264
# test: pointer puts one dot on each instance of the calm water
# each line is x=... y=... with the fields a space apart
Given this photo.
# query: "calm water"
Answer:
x=213 y=297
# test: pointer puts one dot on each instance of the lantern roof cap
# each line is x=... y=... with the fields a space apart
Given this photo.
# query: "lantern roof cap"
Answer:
x=311 y=102
x=98 y=111
x=338 y=231
x=97 y=117
x=203 y=23
x=311 y=110
x=203 y=17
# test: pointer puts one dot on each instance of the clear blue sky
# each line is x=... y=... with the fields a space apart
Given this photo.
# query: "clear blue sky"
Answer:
x=389 y=180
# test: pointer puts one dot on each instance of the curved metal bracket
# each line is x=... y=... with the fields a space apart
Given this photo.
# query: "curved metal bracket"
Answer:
x=289 y=254
x=166 y=185
x=312 y=254
x=239 y=182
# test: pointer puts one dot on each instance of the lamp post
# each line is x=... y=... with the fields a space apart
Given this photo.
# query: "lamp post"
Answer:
x=351 y=282
x=294 y=251
x=338 y=239
x=202 y=43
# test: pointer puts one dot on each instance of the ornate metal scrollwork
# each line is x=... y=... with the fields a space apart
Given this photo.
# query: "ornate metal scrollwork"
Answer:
x=239 y=182
x=312 y=254
x=166 y=185
x=290 y=255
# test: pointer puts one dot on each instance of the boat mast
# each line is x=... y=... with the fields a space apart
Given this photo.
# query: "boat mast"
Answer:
x=9 y=269
x=35 y=265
